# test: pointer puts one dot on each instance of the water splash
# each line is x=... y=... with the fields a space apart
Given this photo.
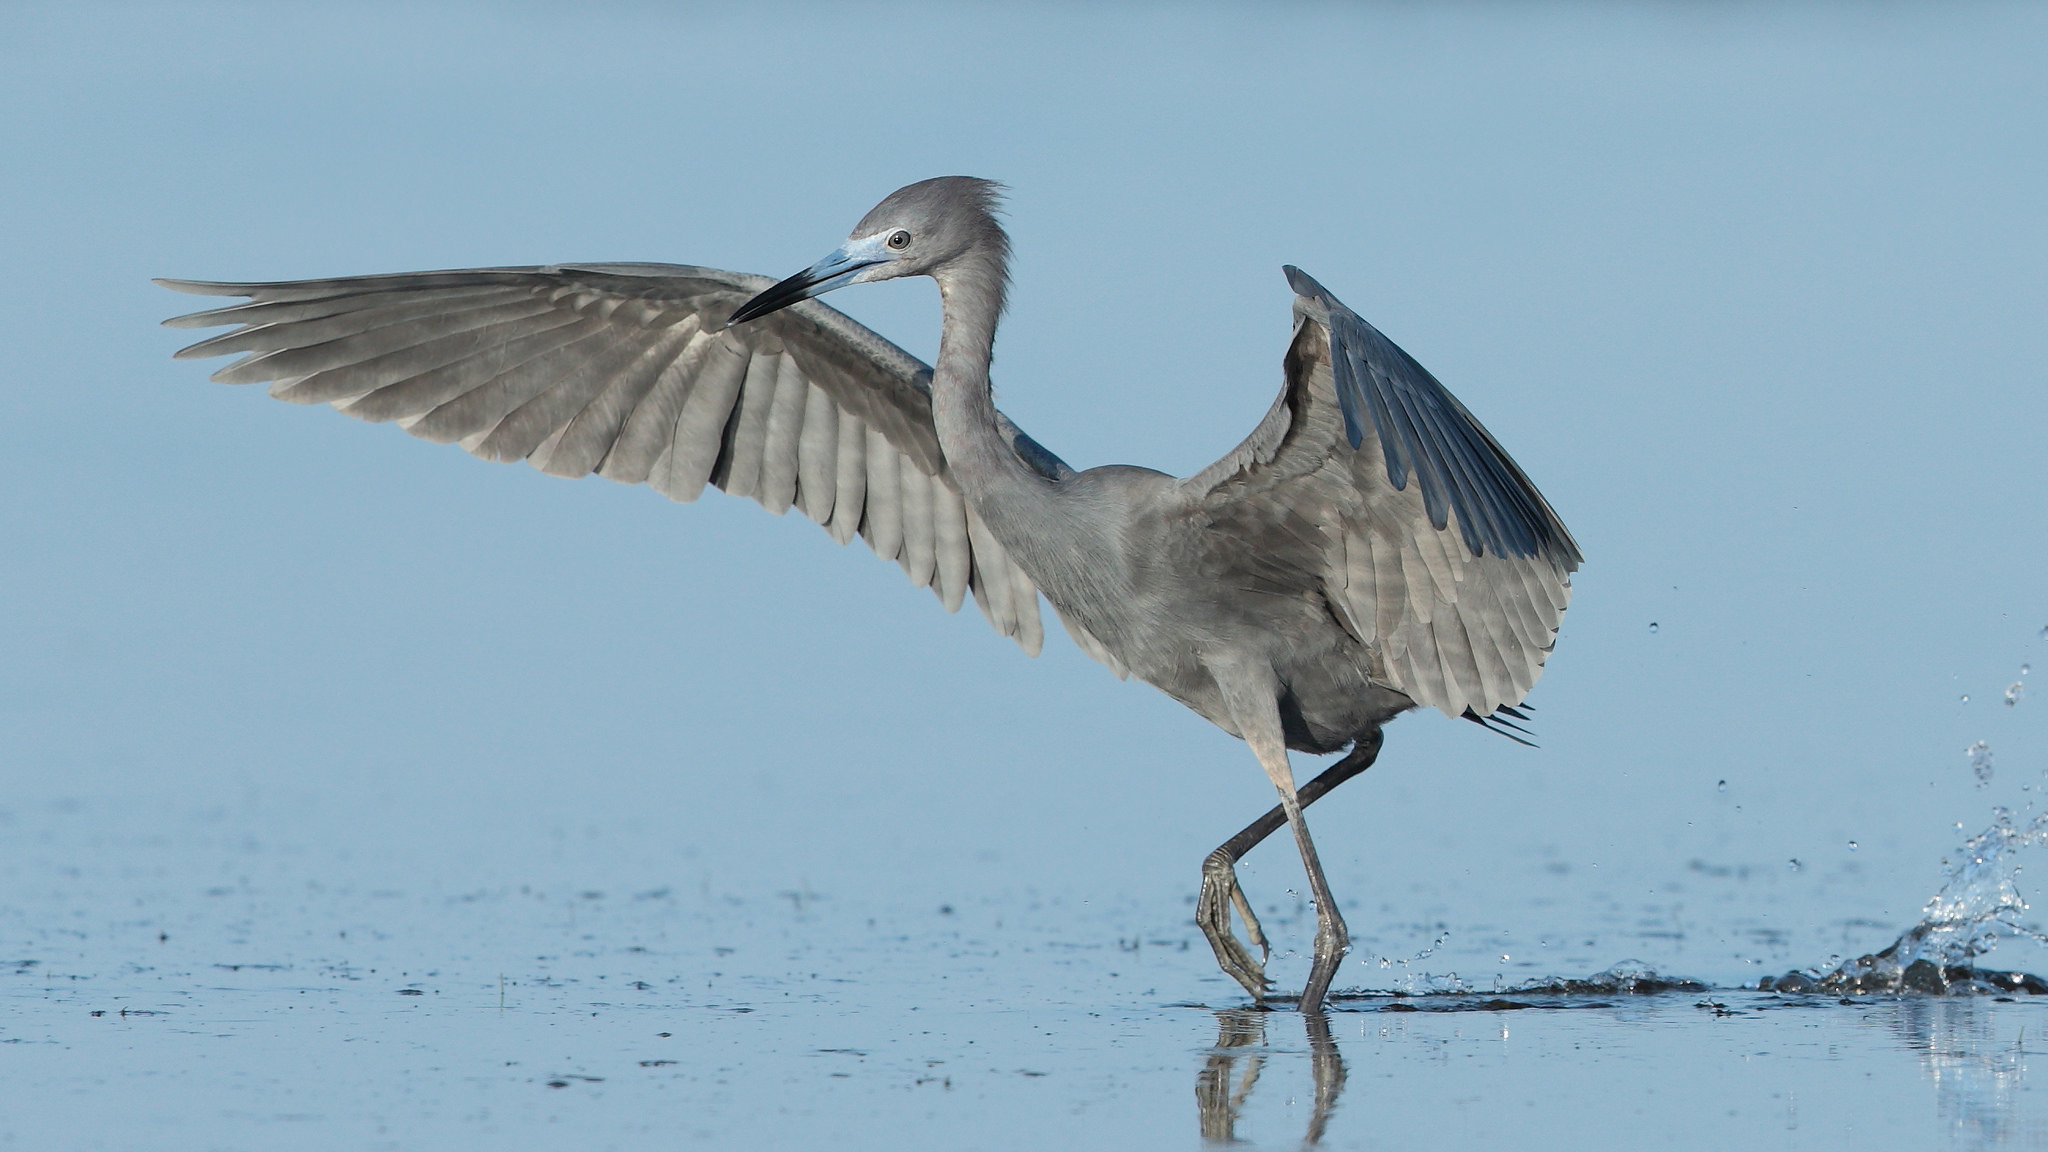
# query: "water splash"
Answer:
x=1979 y=902
x=2014 y=691
x=1980 y=761
x=1442 y=938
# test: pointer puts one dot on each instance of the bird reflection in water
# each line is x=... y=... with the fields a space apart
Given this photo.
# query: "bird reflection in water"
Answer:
x=1221 y=1087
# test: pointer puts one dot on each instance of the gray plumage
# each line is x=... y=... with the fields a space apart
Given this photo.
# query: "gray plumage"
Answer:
x=1367 y=549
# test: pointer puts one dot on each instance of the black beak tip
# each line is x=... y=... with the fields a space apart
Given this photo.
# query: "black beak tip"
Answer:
x=772 y=300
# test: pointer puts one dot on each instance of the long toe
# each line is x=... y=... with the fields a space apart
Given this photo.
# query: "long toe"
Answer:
x=1253 y=930
x=1212 y=916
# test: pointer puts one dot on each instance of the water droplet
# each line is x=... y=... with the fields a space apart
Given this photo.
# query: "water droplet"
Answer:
x=1504 y=957
x=1653 y=626
x=2014 y=691
x=1853 y=845
x=1966 y=697
x=1794 y=864
x=1721 y=787
x=1980 y=761
x=2026 y=668
x=2044 y=632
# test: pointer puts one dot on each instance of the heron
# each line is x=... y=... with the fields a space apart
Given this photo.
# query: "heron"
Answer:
x=1369 y=549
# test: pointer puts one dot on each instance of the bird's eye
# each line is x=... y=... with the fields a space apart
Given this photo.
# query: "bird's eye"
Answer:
x=899 y=240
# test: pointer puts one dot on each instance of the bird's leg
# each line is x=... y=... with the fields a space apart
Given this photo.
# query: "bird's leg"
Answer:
x=1251 y=690
x=1326 y=1065
x=1332 y=940
x=1220 y=890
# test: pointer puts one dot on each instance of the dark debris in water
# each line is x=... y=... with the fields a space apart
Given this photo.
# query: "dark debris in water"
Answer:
x=1454 y=1003
x=1628 y=978
x=1867 y=975
x=1618 y=981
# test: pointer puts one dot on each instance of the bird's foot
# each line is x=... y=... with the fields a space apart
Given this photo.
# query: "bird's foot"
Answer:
x=1220 y=893
x=1333 y=943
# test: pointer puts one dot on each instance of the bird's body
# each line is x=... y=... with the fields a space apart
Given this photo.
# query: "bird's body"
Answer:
x=1172 y=580
x=1368 y=549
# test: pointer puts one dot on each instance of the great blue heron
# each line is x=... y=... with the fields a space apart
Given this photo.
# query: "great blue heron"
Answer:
x=1368 y=549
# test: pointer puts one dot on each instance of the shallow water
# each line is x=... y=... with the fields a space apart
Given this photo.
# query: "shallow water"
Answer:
x=170 y=982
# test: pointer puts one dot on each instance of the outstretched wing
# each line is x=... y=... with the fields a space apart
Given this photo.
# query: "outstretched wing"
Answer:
x=1434 y=548
x=627 y=370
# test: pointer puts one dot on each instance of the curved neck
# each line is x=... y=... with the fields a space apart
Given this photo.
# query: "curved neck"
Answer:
x=1068 y=552
x=1002 y=490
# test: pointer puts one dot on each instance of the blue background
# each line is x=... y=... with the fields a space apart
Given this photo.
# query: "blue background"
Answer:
x=1755 y=295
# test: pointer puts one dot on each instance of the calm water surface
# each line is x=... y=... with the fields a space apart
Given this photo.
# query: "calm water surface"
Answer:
x=172 y=983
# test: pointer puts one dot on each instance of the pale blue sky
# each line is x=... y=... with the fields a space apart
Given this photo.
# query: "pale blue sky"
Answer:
x=1757 y=297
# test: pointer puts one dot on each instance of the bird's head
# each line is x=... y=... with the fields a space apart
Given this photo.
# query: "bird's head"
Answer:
x=931 y=228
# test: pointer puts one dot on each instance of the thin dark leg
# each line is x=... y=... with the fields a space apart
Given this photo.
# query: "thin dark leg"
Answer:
x=1220 y=891
x=1361 y=757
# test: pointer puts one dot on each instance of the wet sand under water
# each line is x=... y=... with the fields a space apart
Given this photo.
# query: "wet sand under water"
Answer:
x=151 y=1003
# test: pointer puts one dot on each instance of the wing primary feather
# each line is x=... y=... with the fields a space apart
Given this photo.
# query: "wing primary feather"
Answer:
x=918 y=545
x=782 y=444
x=549 y=412
x=949 y=543
x=739 y=465
x=883 y=521
x=817 y=451
x=1024 y=602
x=849 y=499
x=648 y=435
x=991 y=577
x=261 y=313
x=580 y=446
x=268 y=332
x=781 y=441
x=480 y=407
x=422 y=375
x=1350 y=397
x=1394 y=453
x=1475 y=523
x=456 y=335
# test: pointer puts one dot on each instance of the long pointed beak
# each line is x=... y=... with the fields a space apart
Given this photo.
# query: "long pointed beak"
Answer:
x=834 y=271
